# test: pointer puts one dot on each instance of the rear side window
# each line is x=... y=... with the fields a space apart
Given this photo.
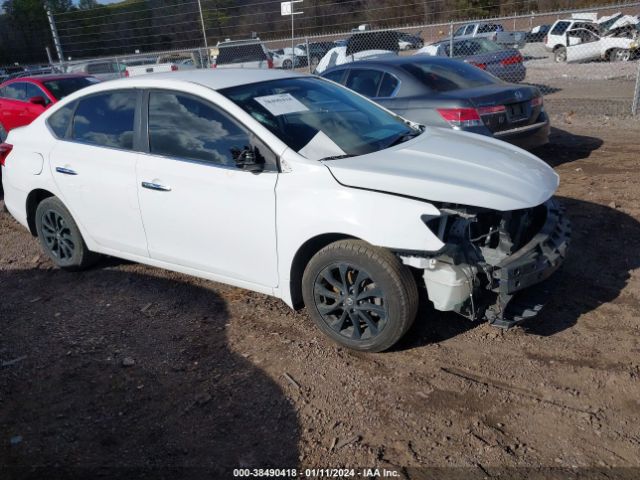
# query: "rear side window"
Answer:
x=388 y=86
x=59 y=121
x=15 y=91
x=106 y=119
x=184 y=127
x=251 y=52
x=560 y=28
x=336 y=76
x=365 y=82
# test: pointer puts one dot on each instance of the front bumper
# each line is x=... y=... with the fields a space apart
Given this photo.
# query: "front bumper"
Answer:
x=530 y=265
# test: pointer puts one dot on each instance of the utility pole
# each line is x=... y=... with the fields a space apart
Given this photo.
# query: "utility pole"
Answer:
x=54 y=32
x=204 y=30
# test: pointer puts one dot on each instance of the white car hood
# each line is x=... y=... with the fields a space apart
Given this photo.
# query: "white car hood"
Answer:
x=442 y=165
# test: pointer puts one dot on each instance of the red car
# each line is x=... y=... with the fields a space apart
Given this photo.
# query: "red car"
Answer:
x=23 y=99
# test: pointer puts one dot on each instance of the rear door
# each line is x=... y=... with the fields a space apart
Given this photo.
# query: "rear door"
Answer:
x=199 y=209
x=94 y=166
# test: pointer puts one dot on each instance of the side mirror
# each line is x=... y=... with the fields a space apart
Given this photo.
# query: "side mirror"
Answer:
x=38 y=100
x=248 y=159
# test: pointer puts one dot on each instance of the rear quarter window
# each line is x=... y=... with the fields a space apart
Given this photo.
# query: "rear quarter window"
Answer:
x=59 y=121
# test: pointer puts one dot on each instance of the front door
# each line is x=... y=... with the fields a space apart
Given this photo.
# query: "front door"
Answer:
x=199 y=209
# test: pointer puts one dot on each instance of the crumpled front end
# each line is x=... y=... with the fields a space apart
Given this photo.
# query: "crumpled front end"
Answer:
x=492 y=261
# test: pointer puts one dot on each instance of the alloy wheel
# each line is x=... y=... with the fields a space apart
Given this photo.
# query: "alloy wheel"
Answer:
x=57 y=235
x=350 y=302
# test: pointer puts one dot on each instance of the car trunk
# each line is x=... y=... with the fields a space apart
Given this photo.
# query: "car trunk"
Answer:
x=500 y=108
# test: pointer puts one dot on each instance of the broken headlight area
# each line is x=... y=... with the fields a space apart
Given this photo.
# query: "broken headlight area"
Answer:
x=492 y=260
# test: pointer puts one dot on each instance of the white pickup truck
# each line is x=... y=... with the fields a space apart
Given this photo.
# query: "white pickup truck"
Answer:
x=492 y=31
x=585 y=45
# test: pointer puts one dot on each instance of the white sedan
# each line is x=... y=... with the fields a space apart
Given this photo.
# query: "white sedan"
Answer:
x=292 y=186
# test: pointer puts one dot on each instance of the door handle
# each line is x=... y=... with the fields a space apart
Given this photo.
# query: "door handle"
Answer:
x=66 y=171
x=156 y=186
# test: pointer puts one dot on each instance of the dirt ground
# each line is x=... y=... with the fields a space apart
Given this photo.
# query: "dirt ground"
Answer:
x=127 y=371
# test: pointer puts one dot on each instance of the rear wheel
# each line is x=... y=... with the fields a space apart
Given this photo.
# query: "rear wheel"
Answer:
x=287 y=64
x=619 y=55
x=60 y=237
x=560 y=54
x=359 y=295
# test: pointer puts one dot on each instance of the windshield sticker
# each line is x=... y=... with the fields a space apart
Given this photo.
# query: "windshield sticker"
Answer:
x=320 y=146
x=281 y=104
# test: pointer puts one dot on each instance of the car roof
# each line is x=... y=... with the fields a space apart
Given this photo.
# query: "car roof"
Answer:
x=47 y=77
x=215 y=79
x=396 y=61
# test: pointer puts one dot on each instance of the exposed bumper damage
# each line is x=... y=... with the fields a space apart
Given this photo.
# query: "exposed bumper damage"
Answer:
x=492 y=261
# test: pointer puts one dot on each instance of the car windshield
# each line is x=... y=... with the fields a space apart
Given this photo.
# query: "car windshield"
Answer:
x=454 y=75
x=66 y=86
x=319 y=119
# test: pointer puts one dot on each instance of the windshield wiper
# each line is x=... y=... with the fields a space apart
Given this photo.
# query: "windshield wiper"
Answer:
x=337 y=157
x=403 y=138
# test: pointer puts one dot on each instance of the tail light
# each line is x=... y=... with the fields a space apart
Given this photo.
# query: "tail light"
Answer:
x=5 y=149
x=482 y=66
x=269 y=63
x=492 y=110
x=546 y=39
x=126 y=73
x=174 y=68
x=213 y=65
x=461 y=117
x=536 y=102
x=512 y=60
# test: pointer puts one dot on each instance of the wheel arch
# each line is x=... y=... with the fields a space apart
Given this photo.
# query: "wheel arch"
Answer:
x=33 y=200
x=302 y=257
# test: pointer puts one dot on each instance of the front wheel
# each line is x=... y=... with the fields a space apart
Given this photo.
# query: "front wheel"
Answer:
x=560 y=55
x=60 y=237
x=620 y=55
x=359 y=295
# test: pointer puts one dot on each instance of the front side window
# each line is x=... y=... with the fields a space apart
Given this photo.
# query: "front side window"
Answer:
x=319 y=119
x=35 y=91
x=106 y=119
x=365 y=82
x=184 y=127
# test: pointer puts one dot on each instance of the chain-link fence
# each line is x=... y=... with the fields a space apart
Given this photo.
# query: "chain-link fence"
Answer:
x=581 y=60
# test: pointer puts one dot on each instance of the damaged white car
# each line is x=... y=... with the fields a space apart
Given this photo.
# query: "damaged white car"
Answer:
x=292 y=186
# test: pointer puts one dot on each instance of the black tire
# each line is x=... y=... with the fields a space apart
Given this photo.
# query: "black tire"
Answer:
x=619 y=55
x=560 y=55
x=351 y=279
x=60 y=237
x=314 y=62
x=287 y=65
